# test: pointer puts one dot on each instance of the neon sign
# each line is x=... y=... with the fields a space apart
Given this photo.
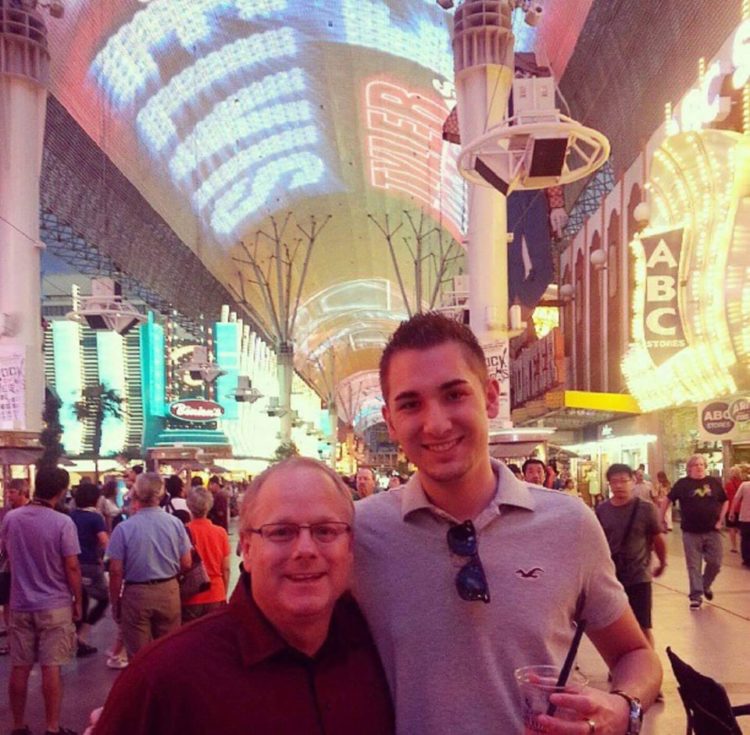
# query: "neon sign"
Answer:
x=406 y=152
x=704 y=104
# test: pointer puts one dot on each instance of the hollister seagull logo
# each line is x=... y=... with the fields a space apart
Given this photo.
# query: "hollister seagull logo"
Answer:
x=534 y=573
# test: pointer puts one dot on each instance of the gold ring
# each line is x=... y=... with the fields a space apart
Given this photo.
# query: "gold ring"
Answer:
x=592 y=726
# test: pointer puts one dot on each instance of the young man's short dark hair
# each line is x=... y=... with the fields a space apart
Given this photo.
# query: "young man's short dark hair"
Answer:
x=50 y=482
x=137 y=469
x=618 y=469
x=530 y=461
x=86 y=495
x=174 y=486
x=214 y=480
x=427 y=330
x=196 y=480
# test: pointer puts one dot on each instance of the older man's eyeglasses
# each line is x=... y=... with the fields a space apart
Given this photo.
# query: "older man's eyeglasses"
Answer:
x=325 y=532
x=471 y=582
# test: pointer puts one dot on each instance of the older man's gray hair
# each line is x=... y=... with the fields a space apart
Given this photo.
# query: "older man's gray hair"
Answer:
x=251 y=494
x=199 y=501
x=149 y=488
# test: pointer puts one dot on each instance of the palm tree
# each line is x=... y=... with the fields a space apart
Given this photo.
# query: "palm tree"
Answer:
x=97 y=403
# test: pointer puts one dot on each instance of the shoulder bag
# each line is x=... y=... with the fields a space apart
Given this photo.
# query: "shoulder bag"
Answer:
x=195 y=579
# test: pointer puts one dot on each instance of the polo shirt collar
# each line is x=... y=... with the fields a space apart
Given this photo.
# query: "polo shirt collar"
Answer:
x=510 y=491
x=258 y=640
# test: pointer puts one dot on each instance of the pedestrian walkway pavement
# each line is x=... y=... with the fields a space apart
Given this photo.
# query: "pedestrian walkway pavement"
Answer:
x=715 y=640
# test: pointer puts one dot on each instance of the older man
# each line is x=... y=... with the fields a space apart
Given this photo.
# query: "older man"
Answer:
x=291 y=653
x=146 y=553
x=365 y=481
x=703 y=505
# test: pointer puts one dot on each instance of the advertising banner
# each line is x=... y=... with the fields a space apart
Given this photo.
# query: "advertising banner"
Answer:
x=662 y=325
x=12 y=388
x=497 y=355
x=727 y=419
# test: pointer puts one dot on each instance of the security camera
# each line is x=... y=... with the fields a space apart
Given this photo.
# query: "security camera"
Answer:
x=445 y=4
x=106 y=309
x=245 y=392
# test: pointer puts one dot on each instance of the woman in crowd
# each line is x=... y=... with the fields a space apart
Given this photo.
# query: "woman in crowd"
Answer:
x=735 y=477
x=661 y=489
x=107 y=504
x=212 y=543
x=93 y=538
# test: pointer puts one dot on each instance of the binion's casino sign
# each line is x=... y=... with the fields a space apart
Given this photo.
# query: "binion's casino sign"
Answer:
x=196 y=411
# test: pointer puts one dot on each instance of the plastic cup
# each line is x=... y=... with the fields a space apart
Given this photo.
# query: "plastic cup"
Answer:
x=537 y=684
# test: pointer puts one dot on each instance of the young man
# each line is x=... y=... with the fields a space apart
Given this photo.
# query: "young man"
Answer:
x=466 y=574
x=633 y=531
x=703 y=505
x=291 y=654
x=535 y=471
x=45 y=597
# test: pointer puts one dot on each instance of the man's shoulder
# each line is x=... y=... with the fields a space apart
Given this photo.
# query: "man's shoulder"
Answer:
x=379 y=506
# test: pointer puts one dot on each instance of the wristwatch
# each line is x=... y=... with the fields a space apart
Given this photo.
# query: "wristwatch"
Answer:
x=635 y=718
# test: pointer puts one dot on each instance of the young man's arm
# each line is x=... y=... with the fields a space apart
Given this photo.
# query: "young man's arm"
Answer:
x=635 y=669
x=660 y=549
x=73 y=576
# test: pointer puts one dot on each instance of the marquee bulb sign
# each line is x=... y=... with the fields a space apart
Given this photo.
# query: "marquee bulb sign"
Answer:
x=691 y=323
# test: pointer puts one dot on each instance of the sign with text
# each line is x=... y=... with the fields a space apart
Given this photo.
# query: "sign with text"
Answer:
x=196 y=410
x=497 y=356
x=537 y=369
x=726 y=419
x=12 y=388
x=662 y=325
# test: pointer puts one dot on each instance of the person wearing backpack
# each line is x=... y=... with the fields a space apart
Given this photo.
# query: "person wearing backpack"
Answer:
x=633 y=530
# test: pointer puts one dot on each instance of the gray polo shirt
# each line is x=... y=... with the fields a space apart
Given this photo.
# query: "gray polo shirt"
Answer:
x=450 y=663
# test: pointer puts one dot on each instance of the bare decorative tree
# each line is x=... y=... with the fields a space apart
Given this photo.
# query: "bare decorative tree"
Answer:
x=272 y=258
x=430 y=256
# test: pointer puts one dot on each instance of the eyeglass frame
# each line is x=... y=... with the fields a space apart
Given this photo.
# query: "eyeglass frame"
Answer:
x=468 y=547
x=298 y=529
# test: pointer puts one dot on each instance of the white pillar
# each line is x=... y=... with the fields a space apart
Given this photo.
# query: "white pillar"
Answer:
x=24 y=63
x=333 y=420
x=285 y=366
x=483 y=60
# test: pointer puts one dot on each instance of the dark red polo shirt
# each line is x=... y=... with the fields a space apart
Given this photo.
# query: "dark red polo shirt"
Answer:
x=230 y=673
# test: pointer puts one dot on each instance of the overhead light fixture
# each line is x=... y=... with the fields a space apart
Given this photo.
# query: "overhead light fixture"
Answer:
x=202 y=367
x=106 y=309
x=245 y=392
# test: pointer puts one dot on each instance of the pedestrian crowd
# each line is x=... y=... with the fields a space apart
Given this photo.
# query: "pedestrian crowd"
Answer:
x=365 y=604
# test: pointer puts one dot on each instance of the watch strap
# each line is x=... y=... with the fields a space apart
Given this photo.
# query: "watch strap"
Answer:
x=635 y=717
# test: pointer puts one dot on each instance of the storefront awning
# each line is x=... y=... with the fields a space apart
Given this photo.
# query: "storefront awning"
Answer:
x=18 y=456
x=568 y=410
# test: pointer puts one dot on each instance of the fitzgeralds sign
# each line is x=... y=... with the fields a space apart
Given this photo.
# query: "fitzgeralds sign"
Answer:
x=196 y=410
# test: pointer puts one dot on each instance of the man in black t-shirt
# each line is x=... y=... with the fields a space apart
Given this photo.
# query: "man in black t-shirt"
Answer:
x=703 y=505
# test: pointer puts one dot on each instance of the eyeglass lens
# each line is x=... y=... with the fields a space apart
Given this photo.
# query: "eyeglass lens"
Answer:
x=471 y=582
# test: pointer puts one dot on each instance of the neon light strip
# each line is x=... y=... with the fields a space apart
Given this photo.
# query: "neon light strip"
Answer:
x=126 y=64
x=248 y=196
x=155 y=119
x=247 y=159
x=215 y=136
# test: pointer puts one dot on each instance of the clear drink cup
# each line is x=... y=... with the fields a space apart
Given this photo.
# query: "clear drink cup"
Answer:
x=536 y=684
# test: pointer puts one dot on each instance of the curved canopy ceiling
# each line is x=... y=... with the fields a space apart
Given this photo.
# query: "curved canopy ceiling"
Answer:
x=230 y=114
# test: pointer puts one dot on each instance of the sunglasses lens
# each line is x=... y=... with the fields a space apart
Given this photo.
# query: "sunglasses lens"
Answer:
x=471 y=582
x=462 y=539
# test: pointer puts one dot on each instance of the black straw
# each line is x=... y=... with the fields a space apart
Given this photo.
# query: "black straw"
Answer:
x=562 y=680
